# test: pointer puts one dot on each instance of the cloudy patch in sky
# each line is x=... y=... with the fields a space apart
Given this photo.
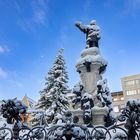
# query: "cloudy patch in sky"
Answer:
x=37 y=16
x=4 y=49
x=131 y=8
x=3 y=73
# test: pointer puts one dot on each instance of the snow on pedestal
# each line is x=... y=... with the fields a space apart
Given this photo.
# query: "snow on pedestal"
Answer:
x=89 y=66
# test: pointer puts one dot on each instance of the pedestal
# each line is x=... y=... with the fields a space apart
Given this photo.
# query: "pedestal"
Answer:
x=78 y=113
x=90 y=67
x=98 y=114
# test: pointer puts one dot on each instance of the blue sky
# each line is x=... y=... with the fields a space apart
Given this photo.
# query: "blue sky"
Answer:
x=32 y=31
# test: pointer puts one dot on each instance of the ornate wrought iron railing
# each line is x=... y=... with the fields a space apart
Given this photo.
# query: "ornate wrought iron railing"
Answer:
x=68 y=132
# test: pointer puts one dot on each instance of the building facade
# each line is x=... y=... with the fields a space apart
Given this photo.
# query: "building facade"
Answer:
x=130 y=90
x=118 y=101
x=131 y=87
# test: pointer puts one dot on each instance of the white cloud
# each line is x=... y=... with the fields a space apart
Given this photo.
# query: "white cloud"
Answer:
x=3 y=74
x=42 y=56
x=40 y=17
x=131 y=7
x=39 y=10
x=85 y=10
x=108 y=3
x=1 y=49
x=26 y=25
x=62 y=39
x=134 y=3
x=16 y=83
x=4 y=49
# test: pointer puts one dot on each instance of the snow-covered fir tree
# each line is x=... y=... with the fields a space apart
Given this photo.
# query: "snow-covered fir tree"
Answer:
x=53 y=99
x=105 y=97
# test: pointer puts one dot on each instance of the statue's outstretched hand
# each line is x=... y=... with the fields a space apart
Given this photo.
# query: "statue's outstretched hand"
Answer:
x=78 y=23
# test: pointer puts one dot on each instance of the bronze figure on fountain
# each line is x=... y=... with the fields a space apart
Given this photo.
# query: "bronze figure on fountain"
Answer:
x=92 y=32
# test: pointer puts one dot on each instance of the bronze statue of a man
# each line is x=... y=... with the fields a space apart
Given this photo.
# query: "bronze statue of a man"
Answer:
x=92 y=32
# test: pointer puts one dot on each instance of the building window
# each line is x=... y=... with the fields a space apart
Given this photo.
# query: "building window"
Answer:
x=131 y=92
x=138 y=91
x=116 y=109
x=137 y=81
x=130 y=83
x=122 y=98
x=115 y=99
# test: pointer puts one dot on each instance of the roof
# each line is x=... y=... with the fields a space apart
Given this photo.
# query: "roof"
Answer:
x=28 y=101
x=117 y=93
x=31 y=100
x=131 y=76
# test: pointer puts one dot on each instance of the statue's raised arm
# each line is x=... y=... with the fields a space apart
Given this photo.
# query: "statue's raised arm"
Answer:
x=79 y=25
x=92 y=32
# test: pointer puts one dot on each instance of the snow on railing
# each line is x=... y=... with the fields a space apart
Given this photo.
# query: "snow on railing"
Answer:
x=68 y=130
